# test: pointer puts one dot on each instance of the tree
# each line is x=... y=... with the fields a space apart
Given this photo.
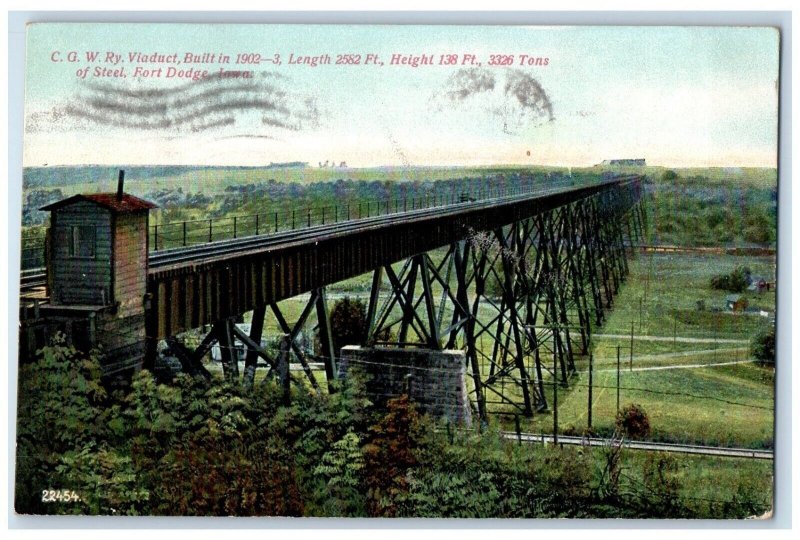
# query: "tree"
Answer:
x=669 y=175
x=763 y=345
x=348 y=323
x=389 y=455
x=737 y=281
x=758 y=227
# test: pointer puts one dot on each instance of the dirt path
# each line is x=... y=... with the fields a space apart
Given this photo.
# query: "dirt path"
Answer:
x=679 y=339
x=680 y=354
x=672 y=366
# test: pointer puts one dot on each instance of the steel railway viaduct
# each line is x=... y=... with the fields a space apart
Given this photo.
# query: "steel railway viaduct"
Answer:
x=515 y=282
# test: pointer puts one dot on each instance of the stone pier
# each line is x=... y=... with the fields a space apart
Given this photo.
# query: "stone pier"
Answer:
x=435 y=380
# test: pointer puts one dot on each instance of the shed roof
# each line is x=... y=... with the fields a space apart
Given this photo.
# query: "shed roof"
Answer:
x=733 y=297
x=127 y=204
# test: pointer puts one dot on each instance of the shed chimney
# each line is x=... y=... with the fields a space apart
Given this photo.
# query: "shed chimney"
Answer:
x=120 y=184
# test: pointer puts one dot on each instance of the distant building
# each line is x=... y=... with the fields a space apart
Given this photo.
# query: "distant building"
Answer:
x=735 y=302
x=288 y=165
x=241 y=350
x=758 y=284
x=638 y=162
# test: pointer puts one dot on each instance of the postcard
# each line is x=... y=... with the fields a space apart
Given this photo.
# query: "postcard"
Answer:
x=387 y=271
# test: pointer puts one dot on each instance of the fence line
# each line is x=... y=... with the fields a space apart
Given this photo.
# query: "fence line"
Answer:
x=202 y=231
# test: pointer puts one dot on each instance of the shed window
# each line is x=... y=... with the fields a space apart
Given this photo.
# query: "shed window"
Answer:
x=82 y=241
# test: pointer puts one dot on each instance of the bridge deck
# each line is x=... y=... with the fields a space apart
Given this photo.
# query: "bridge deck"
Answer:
x=199 y=285
x=223 y=250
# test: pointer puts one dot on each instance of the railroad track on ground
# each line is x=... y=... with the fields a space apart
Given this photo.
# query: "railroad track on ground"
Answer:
x=719 y=451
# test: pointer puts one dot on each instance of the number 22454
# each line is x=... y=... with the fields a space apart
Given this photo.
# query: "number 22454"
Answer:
x=59 y=495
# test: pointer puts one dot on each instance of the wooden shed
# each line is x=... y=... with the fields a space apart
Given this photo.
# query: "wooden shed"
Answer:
x=97 y=251
x=735 y=302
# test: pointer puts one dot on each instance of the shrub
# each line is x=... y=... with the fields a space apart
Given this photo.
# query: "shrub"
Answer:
x=348 y=323
x=63 y=408
x=632 y=420
x=660 y=493
x=758 y=227
x=341 y=469
x=389 y=455
x=668 y=175
x=763 y=345
x=736 y=281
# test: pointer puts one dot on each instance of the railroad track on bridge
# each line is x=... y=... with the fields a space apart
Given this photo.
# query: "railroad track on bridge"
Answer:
x=32 y=280
x=223 y=248
x=36 y=278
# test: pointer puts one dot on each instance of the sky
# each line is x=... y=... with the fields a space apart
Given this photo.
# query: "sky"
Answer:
x=676 y=96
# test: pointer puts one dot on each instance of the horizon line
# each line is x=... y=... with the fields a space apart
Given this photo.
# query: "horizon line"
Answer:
x=286 y=165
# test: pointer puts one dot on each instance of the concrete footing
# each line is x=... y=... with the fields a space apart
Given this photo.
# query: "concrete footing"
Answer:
x=434 y=380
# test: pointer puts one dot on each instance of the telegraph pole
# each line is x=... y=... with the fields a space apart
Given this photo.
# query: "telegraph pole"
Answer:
x=555 y=398
x=618 y=347
x=674 y=333
x=283 y=370
x=591 y=366
x=640 y=314
x=630 y=365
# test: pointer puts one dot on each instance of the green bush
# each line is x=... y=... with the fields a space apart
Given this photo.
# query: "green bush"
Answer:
x=737 y=281
x=348 y=323
x=669 y=175
x=763 y=345
x=63 y=408
x=341 y=468
x=633 y=421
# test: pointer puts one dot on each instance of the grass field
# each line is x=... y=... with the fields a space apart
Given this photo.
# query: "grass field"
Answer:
x=716 y=405
x=719 y=406
x=712 y=479
x=661 y=294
